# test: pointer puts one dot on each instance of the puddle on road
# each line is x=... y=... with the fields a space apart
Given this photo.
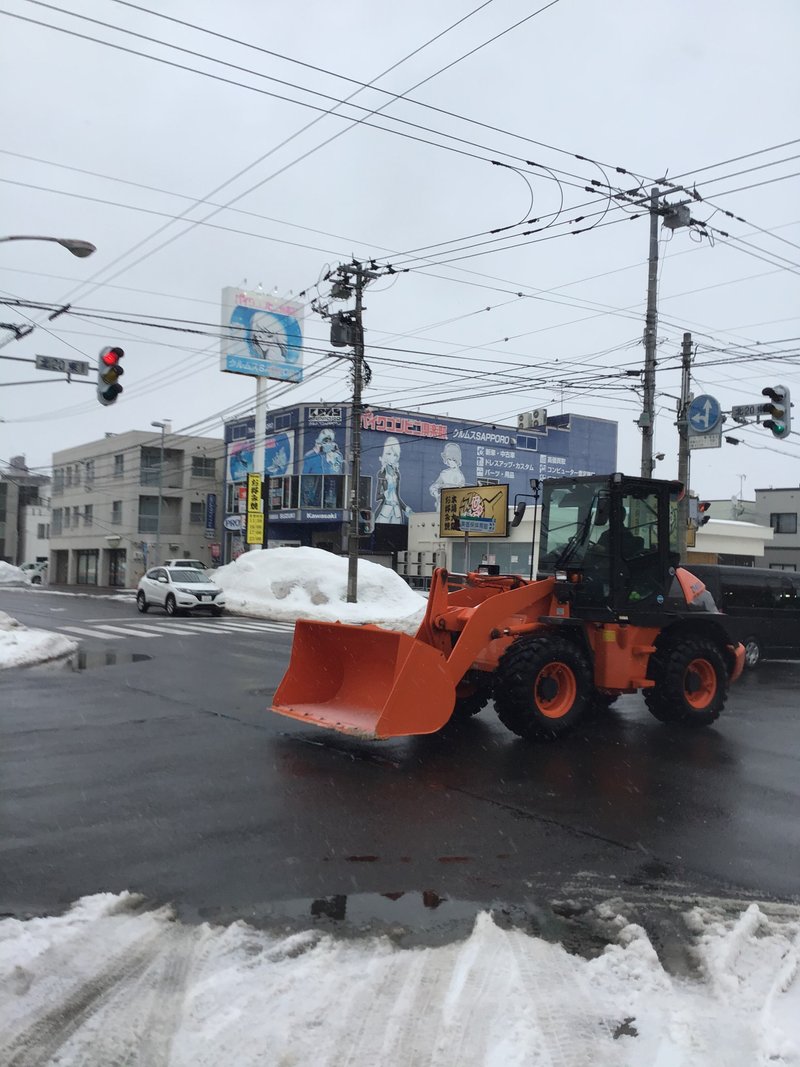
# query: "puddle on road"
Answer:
x=413 y=918
x=88 y=661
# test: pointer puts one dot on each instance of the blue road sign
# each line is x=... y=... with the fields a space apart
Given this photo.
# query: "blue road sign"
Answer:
x=704 y=414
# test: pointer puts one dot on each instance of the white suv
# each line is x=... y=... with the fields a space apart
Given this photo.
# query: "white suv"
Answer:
x=36 y=573
x=179 y=589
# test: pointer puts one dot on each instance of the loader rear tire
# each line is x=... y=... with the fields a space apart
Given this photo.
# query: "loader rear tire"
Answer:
x=543 y=686
x=691 y=682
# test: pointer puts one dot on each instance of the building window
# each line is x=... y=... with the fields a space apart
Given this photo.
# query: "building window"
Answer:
x=203 y=467
x=119 y=466
x=88 y=472
x=42 y=531
x=56 y=521
x=58 y=480
x=116 y=512
x=783 y=522
x=88 y=514
x=68 y=479
x=76 y=516
x=197 y=510
x=782 y=567
x=148 y=514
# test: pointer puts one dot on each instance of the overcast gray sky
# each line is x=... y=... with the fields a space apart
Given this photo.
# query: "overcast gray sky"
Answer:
x=109 y=146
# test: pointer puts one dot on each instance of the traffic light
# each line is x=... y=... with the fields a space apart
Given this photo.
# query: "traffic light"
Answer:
x=780 y=410
x=364 y=522
x=109 y=371
x=703 y=508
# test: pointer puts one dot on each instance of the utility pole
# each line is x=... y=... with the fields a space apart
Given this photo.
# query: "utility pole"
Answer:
x=347 y=331
x=648 y=416
x=684 y=455
x=355 y=438
x=163 y=426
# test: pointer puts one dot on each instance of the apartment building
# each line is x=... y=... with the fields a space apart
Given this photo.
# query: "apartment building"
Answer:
x=778 y=508
x=20 y=491
x=123 y=504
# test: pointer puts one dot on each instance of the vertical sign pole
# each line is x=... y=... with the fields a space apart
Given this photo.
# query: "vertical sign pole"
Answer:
x=261 y=433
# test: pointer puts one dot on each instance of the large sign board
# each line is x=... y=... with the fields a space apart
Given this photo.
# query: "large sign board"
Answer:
x=261 y=336
x=474 y=511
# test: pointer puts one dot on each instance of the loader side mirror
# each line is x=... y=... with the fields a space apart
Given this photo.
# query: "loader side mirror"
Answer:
x=519 y=512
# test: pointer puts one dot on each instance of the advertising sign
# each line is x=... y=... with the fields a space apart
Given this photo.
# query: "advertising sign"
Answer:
x=253 y=492
x=262 y=336
x=278 y=456
x=474 y=511
x=255 y=528
x=233 y=522
x=325 y=416
x=211 y=511
x=411 y=461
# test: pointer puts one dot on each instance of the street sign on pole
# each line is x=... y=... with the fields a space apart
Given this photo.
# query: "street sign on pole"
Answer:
x=253 y=492
x=703 y=415
x=740 y=412
x=62 y=366
x=706 y=440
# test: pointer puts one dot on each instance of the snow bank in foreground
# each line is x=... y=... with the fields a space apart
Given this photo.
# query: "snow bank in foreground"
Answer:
x=110 y=982
x=308 y=583
x=21 y=647
x=10 y=575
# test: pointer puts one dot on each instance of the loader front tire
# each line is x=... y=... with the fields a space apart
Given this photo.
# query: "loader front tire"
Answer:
x=471 y=697
x=691 y=682
x=543 y=686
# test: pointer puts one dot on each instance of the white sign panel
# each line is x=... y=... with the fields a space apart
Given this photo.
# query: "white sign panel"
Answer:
x=706 y=440
x=262 y=336
x=66 y=366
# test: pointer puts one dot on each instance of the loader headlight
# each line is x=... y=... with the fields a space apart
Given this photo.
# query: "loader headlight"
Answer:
x=561 y=576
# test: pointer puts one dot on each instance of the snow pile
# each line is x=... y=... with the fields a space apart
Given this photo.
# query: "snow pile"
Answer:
x=10 y=575
x=111 y=982
x=308 y=583
x=21 y=647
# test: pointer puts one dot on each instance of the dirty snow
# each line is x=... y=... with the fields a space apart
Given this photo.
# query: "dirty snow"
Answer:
x=21 y=647
x=113 y=982
x=10 y=575
x=309 y=583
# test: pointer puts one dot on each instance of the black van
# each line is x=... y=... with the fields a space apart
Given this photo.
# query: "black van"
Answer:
x=763 y=607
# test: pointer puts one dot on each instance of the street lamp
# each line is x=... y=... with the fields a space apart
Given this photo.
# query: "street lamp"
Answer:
x=78 y=248
x=163 y=426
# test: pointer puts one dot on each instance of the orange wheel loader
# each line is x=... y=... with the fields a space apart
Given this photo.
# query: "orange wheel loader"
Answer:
x=610 y=612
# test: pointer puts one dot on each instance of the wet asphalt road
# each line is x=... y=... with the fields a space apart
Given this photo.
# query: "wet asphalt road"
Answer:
x=168 y=777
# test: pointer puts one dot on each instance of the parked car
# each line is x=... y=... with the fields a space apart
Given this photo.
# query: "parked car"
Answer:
x=179 y=589
x=197 y=564
x=763 y=607
x=35 y=572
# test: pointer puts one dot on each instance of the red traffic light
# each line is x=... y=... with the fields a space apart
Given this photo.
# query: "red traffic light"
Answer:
x=109 y=370
x=703 y=508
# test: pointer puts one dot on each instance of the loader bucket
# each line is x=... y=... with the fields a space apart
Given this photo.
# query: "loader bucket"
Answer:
x=365 y=681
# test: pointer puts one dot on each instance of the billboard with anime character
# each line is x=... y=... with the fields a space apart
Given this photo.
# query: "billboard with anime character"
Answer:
x=412 y=459
x=261 y=336
x=278 y=456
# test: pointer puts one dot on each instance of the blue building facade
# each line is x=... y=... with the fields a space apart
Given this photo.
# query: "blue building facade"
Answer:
x=406 y=459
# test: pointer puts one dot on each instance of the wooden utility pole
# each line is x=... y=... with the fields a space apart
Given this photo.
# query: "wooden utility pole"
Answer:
x=648 y=416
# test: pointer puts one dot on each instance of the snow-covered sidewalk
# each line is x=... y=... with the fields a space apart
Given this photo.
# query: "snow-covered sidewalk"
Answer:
x=21 y=647
x=113 y=982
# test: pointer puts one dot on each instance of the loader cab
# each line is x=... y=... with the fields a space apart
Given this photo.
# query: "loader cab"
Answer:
x=609 y=537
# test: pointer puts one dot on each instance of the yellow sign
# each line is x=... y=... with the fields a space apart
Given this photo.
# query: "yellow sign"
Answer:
x=474 y=511
x=254 y=492
x=255 y=528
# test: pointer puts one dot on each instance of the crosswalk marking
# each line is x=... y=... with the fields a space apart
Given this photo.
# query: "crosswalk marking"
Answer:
x=114 y=628
x=107 y=630
x=89 y=633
